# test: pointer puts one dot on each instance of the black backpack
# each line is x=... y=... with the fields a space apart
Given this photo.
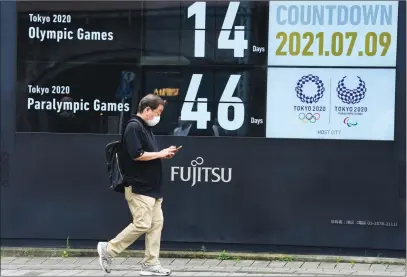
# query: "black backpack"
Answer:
x=114 y=163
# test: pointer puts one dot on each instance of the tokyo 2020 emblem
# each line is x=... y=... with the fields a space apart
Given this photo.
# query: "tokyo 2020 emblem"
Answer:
x=319 y=89
x=351 y=96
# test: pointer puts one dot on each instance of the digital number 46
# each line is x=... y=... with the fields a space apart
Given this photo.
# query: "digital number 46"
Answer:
x=238 y=44
x=202 y=116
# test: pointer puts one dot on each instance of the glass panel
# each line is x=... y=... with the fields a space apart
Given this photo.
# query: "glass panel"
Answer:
x=75 y=98
x=220 y=101
x=66 y=34
x=162 y=15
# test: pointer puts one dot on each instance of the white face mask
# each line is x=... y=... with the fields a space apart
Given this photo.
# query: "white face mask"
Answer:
x=154 y=121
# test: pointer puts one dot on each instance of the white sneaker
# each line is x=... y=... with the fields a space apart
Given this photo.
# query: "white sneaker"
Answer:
x=154 y=270
x=105 y=259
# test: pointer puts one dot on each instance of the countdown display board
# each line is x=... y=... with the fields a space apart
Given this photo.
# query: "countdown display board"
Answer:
x=225 y=68
x=333 y=33
x=332 y=103
x=366 y=111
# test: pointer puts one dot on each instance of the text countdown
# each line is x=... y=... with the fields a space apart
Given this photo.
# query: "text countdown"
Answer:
x=238 y=44
x=202 y=116
x=333 y=33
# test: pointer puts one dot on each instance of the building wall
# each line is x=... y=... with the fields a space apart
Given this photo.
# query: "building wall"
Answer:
x=281 y=191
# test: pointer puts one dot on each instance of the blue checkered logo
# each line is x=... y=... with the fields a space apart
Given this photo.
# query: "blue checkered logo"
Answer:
x=351 y=96
x=319 y=89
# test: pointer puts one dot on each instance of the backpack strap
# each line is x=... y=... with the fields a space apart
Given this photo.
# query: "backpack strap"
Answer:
x=124 y=129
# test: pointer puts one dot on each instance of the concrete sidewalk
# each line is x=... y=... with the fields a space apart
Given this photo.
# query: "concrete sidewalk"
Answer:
x=89 y=266
x=207 y=255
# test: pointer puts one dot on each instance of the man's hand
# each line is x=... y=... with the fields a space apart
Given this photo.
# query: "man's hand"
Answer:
x=168 y=153
x=169 y=156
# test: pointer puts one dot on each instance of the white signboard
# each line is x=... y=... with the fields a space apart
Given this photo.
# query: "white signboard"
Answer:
x=333 y=33
x=331 y=103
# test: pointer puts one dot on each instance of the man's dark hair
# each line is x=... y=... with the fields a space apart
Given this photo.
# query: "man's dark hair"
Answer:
x=150 y=100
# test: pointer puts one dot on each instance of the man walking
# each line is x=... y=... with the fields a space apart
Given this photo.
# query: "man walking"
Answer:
x=141 y=162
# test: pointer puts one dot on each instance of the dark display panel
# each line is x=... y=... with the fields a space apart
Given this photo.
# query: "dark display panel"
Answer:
x=61 y=33
x=205 y=33
x=207 y=102
x=160 y=32
x=220 y=63
x=206 y=58
x=76 y=98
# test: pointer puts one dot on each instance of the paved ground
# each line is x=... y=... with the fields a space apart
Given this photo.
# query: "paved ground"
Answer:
x=184 y=267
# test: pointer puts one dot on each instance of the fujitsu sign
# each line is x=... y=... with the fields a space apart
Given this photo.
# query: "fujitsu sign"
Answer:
x=197 y=173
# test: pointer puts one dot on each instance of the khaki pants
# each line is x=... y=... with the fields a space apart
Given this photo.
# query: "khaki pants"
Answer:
x=147 y=219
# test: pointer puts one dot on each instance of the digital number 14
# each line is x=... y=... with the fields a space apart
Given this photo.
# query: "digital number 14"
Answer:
x=238 y=44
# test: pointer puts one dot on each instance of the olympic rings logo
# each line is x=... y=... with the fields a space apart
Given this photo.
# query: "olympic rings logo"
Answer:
x=311 y=118
x=197 y=161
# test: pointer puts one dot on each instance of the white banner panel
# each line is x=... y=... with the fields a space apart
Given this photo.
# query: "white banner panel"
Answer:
x=330 y=103
x=333 y=33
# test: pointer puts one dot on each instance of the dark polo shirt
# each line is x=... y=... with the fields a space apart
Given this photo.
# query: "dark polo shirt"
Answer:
x=145 y=177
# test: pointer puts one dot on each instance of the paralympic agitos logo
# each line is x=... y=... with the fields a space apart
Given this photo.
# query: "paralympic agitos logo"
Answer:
x=197 y=173
x=348 y=122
